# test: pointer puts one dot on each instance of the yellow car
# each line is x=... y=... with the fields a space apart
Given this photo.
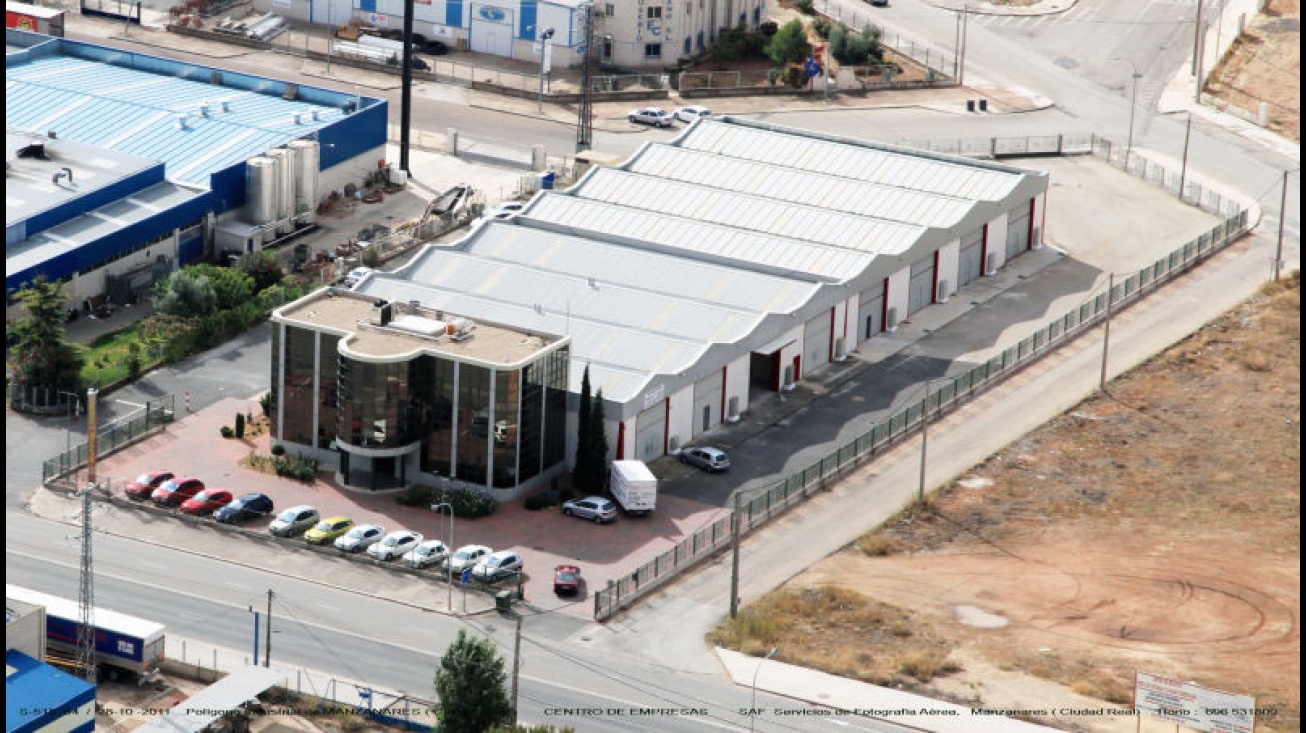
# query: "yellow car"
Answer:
x=328 y=529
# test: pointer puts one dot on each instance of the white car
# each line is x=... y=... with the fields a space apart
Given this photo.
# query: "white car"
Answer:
x=360 y=538
x=503 y=210
x=651 y=116
x=466 y=557
x=497 y=566
x=394 y=545
x=692 y=112
x=430 y=552
x=356 y=276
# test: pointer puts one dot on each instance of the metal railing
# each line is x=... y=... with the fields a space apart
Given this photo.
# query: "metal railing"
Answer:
x=772 y=500
x=111 y=437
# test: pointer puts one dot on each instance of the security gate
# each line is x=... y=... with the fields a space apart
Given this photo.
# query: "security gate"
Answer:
x=816 y=341
x=1017 y=231
x=650 y=429
x=707 y=402
x=492 y=30
x=921 y=290
x=971 y=266
x=870 y=311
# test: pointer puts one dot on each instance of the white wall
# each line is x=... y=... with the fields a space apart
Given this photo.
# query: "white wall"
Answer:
x=737 y=379
x=998 y=240
x=899 y=292
x=1040 y=211
x=354 y=171
x=680 y=421
x=949 y=264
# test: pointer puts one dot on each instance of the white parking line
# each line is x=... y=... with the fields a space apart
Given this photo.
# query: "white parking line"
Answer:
x=133 y=404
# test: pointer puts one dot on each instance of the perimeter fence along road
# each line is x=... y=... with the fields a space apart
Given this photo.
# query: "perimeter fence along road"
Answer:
x=766 y=502
x=122 y=432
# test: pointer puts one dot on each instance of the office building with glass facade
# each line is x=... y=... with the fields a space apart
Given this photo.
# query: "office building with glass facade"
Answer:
x=394 y=394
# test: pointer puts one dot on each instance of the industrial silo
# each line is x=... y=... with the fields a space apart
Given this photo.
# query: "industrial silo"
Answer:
x=306 y=188
x=285 y=188
x=261 y=185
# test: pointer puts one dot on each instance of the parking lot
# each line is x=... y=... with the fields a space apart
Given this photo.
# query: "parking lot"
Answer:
x=988 y=316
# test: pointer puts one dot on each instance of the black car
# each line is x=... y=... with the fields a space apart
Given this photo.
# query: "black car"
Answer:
x=247 y=507
x=435 y=48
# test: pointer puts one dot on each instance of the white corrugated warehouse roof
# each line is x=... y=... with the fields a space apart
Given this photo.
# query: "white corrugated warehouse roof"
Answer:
x=693 y=238
x=717 y=238
x=802 y=187
x=742 y=211
x=865 y=162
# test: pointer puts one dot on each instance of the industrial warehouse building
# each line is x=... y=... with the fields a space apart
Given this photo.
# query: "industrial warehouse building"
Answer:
x=693 y=278
x=650 y=33
x=120 y=167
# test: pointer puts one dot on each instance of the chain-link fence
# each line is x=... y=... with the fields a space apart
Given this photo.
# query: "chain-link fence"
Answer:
x=111 y=437
x=770 y=501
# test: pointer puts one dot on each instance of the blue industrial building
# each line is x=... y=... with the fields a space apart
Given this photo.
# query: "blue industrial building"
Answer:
x=40 y=697
x=121 y=166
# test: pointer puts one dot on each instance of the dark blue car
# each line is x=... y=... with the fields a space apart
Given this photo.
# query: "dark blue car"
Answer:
x=247 y=507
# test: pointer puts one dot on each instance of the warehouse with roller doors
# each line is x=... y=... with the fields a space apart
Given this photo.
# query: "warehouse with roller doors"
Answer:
x=705 y=273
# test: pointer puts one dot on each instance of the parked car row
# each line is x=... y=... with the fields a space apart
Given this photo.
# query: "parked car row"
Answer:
x=659 y=117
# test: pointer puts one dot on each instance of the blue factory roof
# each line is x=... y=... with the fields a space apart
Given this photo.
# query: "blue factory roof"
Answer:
x=37 y=694
x=195 y=119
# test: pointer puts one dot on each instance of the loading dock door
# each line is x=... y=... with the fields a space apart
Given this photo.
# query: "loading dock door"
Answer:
x=650 y=430
x=870 y=311
x=921 y=290
x=492 y=30
x=1017 y=231
x=707 y=402
x=972 y=259
x=816 y=341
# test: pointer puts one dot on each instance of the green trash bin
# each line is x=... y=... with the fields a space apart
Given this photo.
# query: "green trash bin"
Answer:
x=503 y=600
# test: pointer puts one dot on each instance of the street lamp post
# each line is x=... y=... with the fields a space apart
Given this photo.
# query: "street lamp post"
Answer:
x=545 y=35
x=1133 y=103
x=448 y=566
x=752 y=708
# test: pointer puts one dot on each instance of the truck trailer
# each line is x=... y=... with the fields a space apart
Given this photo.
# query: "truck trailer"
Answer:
x=123 y=644
x=634 y=487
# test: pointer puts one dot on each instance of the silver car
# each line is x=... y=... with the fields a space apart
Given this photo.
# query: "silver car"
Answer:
x=652 y=116
x=294 y=520
x=711 y=460
x=360 y=538
x=430 y=552
x=466 y=557
x=497 y=566
x=591 y=507
x=394 y=545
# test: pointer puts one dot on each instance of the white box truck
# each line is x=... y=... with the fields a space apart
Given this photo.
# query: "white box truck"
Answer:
x=634 y=487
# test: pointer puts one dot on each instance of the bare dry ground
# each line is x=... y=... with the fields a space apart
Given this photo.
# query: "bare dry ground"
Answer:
x=1264 y=65
x=1155 y=529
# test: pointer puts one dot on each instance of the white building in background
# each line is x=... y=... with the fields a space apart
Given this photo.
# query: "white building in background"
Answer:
x=627 y=33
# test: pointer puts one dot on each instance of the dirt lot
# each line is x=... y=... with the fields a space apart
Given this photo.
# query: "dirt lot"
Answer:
x=1154 y=529
x=1264 y=65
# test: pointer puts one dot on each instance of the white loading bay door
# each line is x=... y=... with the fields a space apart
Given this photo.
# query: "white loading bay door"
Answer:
x=492 y=29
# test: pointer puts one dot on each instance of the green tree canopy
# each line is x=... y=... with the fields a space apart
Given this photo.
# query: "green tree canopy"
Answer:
x=591 y=473
x=186 y=294
x=264 y=267
x=853 y=49
x=231 y=286
x=41 y=357
x=470 y=685
x=579 y=473
x=789 y=45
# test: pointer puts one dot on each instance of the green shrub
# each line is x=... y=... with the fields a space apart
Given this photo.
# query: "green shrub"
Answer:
x=227 y=432
x=265 y=402
x=416 y=496
x=240 y=425
x=278 y=450
x=541 y=500
x=805 y=7
x=822 y=26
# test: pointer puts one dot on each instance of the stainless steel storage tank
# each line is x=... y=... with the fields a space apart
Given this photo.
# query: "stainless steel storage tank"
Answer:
x=306 y=188
x=261 y=185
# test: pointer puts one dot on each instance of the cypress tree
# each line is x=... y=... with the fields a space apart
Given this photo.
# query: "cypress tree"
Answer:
x=582 y=429
x=597 y=463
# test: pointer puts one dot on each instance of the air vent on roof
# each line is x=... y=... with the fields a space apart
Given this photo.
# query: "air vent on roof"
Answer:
x=181 y=122
x=215 y=78
x=315 y=116
x=51 y=135
x=297 y=118
x=226 y=106
x=34 y=150
x=204 y=110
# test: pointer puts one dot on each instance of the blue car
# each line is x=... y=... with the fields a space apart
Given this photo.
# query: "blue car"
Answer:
x=247 y=507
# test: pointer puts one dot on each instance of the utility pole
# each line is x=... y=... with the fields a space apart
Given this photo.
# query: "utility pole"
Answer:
x=1183 y=169
x=267 y=633
x=965 y=20
x=516 y=670
x=86 y=596
x=1106 y=331
x=925 y=436
x=1199 y=48
x=585 y=114
x=734 y=560
x=406 y=82
x=1283 y=211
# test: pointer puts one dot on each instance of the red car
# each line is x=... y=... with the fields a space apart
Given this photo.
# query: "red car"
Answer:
x=146 y=483
x=174 y=491
x=206 y=502
x=566 y=579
